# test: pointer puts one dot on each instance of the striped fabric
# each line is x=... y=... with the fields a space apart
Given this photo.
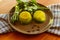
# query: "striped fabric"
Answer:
x=55 y=9
x=4 y=26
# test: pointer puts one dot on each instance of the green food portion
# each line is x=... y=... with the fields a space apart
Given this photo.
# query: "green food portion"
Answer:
x=19 y=1
x=25 y=17
x=39 y=16
x=15 y=16
x=28 y=8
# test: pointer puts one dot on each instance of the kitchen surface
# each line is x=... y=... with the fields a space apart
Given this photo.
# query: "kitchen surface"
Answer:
x=5 y=7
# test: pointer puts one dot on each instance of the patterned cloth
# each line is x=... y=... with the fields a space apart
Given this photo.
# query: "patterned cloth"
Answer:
x=4 y=26
x=55 y=9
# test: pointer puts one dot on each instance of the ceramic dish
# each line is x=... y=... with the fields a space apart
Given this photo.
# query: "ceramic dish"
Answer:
x=32 y=28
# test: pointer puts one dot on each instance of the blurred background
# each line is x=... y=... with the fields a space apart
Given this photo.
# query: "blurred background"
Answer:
x=6 y=5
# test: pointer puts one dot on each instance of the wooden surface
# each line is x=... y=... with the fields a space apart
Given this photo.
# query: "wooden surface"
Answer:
x=6 y=5
x=19 y=36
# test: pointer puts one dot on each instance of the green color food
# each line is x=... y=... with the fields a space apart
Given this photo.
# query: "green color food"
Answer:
x=25 y=17
x=39 y=16
x=15 y=15
x=30 y=6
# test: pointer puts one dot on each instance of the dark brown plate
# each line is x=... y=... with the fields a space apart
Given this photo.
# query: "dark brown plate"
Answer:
x=33 y=27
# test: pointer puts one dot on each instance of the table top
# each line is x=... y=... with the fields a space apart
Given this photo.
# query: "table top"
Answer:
x=6 y=5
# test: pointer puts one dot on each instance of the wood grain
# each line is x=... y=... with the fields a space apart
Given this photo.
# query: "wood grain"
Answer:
x=19 y=36
x=6 y=5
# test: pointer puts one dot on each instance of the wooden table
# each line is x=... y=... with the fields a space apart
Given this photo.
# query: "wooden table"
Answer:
x=6 y=5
